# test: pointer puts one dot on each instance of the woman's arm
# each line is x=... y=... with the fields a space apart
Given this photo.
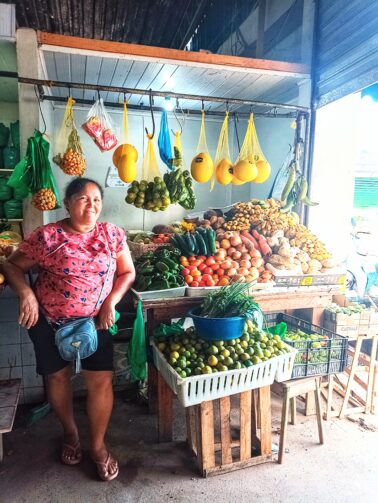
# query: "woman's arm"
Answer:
x=14 y=271
x=125 y=276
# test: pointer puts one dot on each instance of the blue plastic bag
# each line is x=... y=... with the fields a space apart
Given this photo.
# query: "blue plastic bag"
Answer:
x=164 y=141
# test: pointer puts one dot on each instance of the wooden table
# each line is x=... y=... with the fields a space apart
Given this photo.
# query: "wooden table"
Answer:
x=163 y=310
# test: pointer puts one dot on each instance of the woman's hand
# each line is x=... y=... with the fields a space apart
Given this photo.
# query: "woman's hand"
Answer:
x=29 y=310
x=106 y=315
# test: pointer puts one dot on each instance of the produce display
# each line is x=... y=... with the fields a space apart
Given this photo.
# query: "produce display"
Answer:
x=9 y=242
x=189 y=355
x=152 y=196
x=313 y=348
x=200 y=242
x=180 y=187
x=149 y=238
x=352 y=308
x=158 y=270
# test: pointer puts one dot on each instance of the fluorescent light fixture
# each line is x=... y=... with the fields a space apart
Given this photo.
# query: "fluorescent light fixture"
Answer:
x=168 y=104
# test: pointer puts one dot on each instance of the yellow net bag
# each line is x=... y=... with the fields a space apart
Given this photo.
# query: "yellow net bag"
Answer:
x=245 y=169
x=223 y=165
x=69 y=154
x=125 y=156
x=151 y=192
x=262 y=165
x=202 y=167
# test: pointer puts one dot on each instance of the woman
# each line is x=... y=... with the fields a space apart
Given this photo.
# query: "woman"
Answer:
x=73 y=256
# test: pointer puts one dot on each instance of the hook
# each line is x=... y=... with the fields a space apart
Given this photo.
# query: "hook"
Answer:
x=69 y=91
x=98 y=94
x=124 y=97
x=40 y=109
x=227 y=107
x=152 y=116
x=180 y=124
x=203 y=106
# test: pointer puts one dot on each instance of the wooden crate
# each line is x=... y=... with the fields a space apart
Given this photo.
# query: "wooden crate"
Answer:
x=363 y=323
x=209 y=432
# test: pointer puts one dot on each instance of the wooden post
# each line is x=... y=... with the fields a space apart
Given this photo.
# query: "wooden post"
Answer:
x=369 y=394
x=265 y=414
x=225 y=429
x=165 y=419
x=205 y=437
x=245 y=425
x=351 y=376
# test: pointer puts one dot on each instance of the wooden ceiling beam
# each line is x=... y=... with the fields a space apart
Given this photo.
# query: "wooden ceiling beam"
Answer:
x=64 y=43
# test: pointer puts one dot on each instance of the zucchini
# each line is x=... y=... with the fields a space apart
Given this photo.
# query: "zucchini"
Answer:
x=201 y=244
x=211 y=236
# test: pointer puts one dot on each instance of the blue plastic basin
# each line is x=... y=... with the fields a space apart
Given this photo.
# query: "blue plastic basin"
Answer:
x=217 y=329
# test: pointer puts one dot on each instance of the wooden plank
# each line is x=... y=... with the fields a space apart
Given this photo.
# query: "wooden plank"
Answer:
x=233 y=444
x=351 y=377
x=173 y=56
x=369 y=396
x=165 y=413
x=238 y=465
x=152 y=391
x=319 y=411
x=329 y=396
x=265 y=414
x=198 y=432
x=190 y=429
x=245 y=425
x=255 y=439
x=207 y=435
x=225 y=429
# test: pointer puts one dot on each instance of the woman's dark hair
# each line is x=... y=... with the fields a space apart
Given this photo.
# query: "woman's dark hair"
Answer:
x=78 y=184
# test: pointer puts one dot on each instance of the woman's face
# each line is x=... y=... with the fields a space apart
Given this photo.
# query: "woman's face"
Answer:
x=85 y=206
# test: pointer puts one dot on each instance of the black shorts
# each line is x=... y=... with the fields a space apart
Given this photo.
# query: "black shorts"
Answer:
x=49 y=359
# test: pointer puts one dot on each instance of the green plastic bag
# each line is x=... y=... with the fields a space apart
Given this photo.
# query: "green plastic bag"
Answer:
x=13 y=209
x=174 y=328
x=5 y=191
x=4 y=135
x=137 y=353
x=279 y=329
x=2 y=214
x=15 y=133
x=11 y=156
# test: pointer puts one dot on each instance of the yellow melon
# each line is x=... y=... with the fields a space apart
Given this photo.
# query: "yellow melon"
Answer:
x=236 y=181
x=245 y=170
x=202 y=167
x=127 y=169
x=223 y=172
x=263 y=168
x=125 y=149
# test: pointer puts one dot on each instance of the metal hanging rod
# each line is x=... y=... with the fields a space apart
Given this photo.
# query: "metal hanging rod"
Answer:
x=124 y=90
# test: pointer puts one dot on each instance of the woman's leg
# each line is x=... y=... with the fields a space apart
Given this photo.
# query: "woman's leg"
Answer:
x=99 y=408
x=59 y=390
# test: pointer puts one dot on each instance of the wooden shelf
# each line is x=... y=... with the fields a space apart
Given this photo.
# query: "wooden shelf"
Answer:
x=3 y=170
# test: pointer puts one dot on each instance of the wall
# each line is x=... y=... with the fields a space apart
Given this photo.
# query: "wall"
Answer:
x=8 y=112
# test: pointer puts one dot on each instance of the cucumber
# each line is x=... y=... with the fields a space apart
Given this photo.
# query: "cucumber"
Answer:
x=201 y=244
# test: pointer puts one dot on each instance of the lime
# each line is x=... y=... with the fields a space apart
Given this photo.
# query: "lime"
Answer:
x=174 y=355
x=212 y=360
x=207 y=369
x=256 y=359
x=225 y=352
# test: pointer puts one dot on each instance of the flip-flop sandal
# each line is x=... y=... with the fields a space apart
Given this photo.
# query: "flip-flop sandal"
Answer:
x=103 y=468
x=71 y=454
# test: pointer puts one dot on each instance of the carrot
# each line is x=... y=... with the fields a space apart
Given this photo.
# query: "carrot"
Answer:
x=265 y=248
x=251 y=238
x=247 y=242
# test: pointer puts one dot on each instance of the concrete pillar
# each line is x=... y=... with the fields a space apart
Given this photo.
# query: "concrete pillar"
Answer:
x=28 y=65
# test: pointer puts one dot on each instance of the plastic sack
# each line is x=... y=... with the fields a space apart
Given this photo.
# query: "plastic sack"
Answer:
x=279 y=329
x=20 y=179
x=223 y=165
x=202 y=166
x=15 y=133
x=2 y=214
x=163 y=330
x=125 y=156
x=164 y=141
x=99 y=128
x=13 y=209
x=69 y=155
x=137 y=353
x=5 y=191
x=4 y=135
x=11 y=156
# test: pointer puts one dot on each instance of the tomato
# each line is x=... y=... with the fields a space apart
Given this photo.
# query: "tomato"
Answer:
x=194 y=283
x=188 y=279
x=196 y=262
x=210 y=282
x=192 y=258
x=221 y=272
x=208 y=270
x=223 y=281
x=215 y=277
x=202 y=283
x=210 y=261
x=215 y=266
x=201 y=267
x=207 y=277
x=196 y=272
x=202 y=258
x=185 y=271
x=191 y=267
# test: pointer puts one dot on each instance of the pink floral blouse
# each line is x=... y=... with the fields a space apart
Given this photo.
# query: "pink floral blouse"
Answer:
x=73 y=267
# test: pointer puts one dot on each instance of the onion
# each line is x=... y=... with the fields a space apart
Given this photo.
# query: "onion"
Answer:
x=236 y=255
x=230 y=251
x=257 y=262
x=228 y=235
x=245 y=263
x=255 y=253
x=235 y=240
x=254 y=273
x=226 y=264
x=225 y=244
x=221 y=255
x=246 y=256
x=234 y=264
x=243 y=271
x=231 y=272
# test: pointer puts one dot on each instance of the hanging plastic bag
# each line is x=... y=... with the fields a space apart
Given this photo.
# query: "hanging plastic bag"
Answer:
x=137 y=353
x=69 y=156
x=164 y=141
x=223 y=165
x=151 y=193
x=125 y=156
x=202 y=166
x=263 y=167
x=20 y=179
x=98 y=126
x=245 y=168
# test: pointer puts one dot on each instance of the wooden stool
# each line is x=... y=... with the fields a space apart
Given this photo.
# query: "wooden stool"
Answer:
x=9 y=395
x=292 y=389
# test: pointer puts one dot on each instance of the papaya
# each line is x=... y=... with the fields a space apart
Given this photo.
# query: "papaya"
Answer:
x=125 y=149
x=245 y=170
x=202 y=167
x=223 y=172
x=127 y=169
x=263 y=171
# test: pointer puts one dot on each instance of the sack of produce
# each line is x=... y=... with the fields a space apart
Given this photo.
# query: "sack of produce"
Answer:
x=11 y=156
x=99 y=127
x=125 y=156
x=20 y=179
x=5 y=190
x=151 y=193
x=15 y=133
x=164 y=141
x=262 y=165
x=4 y=135
x=13 y=209
x=223 y=165
x=245 y=169
x=69 y=152
x=179 y=181
x=202 y=167
x=2 y=209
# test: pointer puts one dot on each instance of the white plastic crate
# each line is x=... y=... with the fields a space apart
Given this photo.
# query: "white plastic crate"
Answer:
x=200 y=291
x=285 y=364
x=169 y=293
x=196 y=389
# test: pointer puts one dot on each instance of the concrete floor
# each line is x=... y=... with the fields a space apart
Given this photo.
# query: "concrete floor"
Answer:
x=344 y=469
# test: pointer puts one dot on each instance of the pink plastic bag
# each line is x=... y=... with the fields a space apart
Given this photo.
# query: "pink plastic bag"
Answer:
x=99 y=127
